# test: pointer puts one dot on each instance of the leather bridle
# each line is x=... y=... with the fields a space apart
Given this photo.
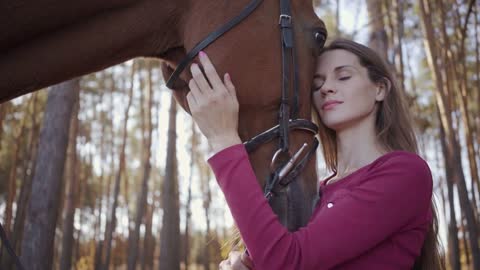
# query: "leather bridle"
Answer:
x=289 y=168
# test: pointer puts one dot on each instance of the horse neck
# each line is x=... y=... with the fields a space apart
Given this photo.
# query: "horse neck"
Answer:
x=78 y=38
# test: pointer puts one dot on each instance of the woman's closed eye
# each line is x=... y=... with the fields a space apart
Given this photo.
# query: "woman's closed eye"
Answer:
x=344 y=78
x=317 y=87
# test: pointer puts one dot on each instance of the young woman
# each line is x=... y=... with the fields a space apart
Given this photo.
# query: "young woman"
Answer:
x=374 y=212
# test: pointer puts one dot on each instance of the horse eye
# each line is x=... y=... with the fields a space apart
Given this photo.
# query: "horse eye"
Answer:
x=320 y=37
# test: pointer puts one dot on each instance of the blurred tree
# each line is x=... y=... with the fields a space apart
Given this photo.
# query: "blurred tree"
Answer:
x=207 y=200
x=42 y=213
x=71 y=179
x=31 y=147
x=118 y=177
x=147 y=129
x=438 y=56
x=188 y=211
x=170 y=232
x=378 y=36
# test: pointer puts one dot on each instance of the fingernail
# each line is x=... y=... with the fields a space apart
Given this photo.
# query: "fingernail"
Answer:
x=228 y=76
x=202 y=54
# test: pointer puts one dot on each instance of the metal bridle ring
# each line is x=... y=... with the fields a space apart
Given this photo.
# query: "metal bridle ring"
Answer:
x=274 y=159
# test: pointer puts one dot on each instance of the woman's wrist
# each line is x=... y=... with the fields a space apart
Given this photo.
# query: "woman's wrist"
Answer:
x=217 y=144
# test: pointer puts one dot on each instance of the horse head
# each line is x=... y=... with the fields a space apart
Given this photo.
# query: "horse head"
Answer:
x=252 y=53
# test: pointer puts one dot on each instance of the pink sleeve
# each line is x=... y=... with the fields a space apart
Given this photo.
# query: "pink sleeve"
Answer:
x=392 y=195
x=397 y=191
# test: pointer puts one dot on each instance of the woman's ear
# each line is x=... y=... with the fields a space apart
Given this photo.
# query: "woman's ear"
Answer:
x=383 y=87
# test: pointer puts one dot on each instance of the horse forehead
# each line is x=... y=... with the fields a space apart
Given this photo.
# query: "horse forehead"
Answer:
x=208 y=14
x=256 y=39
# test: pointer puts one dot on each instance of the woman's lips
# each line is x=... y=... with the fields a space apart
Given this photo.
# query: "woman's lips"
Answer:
x=330 y=105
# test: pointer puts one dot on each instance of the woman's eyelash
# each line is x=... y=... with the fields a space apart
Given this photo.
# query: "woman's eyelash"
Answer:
x=344 y=78
x=316 y=88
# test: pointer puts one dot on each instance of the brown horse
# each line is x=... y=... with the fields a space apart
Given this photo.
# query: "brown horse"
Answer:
x=44 y=42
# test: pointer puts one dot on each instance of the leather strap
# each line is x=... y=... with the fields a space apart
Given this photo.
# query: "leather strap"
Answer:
x=210 y=39
x=274 y=132
x=287 y=41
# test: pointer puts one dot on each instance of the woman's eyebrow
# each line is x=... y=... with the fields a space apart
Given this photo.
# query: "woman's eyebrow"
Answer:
x=343 y=67
x=336 y=69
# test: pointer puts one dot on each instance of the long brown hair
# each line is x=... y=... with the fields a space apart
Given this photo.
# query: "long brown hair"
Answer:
x=394 y=131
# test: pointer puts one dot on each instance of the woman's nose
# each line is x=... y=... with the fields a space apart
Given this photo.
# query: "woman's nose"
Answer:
x=328 y=89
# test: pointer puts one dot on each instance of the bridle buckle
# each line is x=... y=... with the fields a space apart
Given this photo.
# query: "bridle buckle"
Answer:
x=285 y=16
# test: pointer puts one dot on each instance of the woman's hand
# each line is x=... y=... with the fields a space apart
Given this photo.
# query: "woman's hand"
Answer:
x=236 y=261
x=214 y=108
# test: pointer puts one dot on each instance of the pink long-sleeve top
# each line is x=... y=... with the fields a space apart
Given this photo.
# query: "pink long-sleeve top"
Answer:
x=374 y=218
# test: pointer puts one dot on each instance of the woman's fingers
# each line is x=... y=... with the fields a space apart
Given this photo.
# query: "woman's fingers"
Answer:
x=195 y=92
x=199 y=78
x=192 y=103
x=229 y=85
x=215 y=112
x=210 y=71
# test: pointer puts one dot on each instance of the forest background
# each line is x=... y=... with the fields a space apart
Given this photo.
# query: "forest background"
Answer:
x=136 y=192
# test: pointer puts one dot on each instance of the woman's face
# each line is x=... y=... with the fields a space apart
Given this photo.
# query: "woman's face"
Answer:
x=343 y=93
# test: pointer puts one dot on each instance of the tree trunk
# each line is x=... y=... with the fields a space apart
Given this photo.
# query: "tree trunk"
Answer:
x=112 y=169
x=71 y=178
x=12 y=179
x=142 y=199
x=98 y=242
x=148 y=241
x=112 y=221
x=453 y=243
x=443 y=96
x=3 y=112
x=188 y=211
x=453 y=67
x=337 y=18
x=26 y=187
x=477 y=117
x=207 y=199
x=399 y=6
x=170 y=234
x=477 y=72
x=378 y=36
x=81 y=187
x=464 y=95
x=12 y=183
x=42 y=214
x=466 y=251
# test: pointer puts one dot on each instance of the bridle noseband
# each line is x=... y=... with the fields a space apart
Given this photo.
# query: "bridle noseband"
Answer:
x=288 y=119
